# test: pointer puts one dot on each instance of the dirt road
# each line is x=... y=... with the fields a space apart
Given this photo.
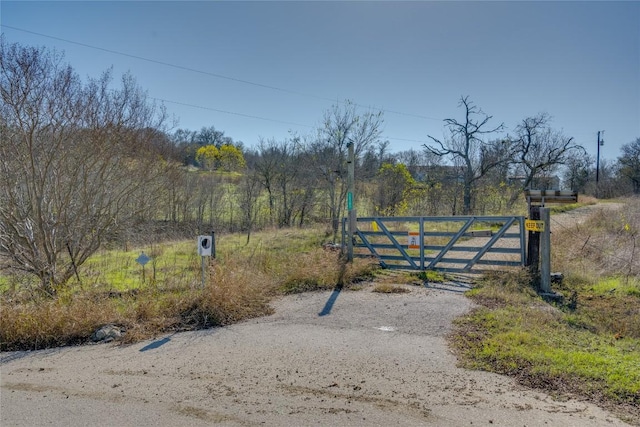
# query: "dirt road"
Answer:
x=350 y=358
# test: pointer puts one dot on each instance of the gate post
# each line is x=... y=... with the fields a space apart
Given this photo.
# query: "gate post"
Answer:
x=539 y=249
x=352 y=212
x=545 y=248
x=533 y=246
x=421 y=232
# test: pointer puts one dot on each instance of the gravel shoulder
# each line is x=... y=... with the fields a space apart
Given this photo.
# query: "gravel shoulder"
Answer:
x=351 y=358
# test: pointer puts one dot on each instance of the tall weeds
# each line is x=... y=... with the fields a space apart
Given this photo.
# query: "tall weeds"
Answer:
x=606 y=244
x=238 y=285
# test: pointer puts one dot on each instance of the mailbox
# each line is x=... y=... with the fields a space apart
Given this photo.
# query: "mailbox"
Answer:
x=205 y=245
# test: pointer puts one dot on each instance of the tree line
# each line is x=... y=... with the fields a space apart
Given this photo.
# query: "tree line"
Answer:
x=84 y=164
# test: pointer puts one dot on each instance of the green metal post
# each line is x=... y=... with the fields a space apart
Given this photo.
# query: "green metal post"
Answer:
x=350 y=201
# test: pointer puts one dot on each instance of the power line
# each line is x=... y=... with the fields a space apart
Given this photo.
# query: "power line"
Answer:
x=407 y=140
x=207 y=73
x=229 y=112
x=223 y=77
x=154 y=61
x=259 y=117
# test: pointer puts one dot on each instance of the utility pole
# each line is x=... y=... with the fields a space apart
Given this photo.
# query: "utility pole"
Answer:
x=600 y=142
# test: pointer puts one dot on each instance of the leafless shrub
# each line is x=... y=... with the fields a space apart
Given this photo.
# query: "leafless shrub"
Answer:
x=77 y=162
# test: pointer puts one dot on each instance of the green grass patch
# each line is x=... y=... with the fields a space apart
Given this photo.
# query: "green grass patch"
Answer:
x=566 y=207
x=432 y=276
x=556 y=209
x=543 y=349
x=587 y=345
x=616 y=286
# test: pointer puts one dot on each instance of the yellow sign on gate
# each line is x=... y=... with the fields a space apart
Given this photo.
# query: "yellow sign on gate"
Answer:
x=534 y=225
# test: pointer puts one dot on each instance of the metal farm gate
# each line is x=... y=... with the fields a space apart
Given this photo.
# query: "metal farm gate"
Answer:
x=469 y=244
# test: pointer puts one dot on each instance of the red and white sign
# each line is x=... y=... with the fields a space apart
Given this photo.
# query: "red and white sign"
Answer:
x=414 y=240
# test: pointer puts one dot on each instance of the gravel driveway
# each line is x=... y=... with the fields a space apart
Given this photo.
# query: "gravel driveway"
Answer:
x=350 y=358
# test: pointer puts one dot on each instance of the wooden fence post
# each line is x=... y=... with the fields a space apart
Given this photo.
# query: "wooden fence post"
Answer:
x=545 y=252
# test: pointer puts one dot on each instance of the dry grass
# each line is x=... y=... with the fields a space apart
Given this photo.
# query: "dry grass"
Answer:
x=318 y=271
x=503 y=289
x=50 y=323
x=239 y=285
x=606 y=244
x=387 y=288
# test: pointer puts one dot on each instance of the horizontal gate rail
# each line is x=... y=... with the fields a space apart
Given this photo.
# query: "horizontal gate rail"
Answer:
x=450 y=244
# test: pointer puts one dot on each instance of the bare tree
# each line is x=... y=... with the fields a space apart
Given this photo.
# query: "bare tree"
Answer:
x=306 y=189
x=286 y=181
x=266 y=167
x=283 y=172
x=411 y=159
x=577 y=172
x=630 y=164
x=372 y=160
x=211 y=136
x=539 y=149
x=342 y=126
x=74 y=159
x=185 y=142
x=249 y=205
x=612 y=182
x=465 y=145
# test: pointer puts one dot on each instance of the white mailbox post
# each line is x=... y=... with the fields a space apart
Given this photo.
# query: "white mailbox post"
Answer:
x=205 y=249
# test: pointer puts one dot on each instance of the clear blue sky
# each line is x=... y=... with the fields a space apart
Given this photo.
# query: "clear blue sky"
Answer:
x=577 y=61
